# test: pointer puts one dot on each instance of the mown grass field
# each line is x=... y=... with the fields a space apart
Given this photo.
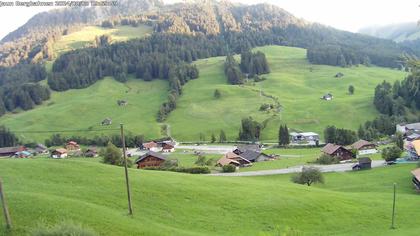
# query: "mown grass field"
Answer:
x=46 y=192
x=85 y=109
x=298 y=85
x=86 y=36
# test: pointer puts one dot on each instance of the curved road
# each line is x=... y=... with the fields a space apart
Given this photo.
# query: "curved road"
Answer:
x=323 y=168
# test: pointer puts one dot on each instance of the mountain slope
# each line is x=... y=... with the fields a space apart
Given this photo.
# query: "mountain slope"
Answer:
x=291 y=80
x=397 y=32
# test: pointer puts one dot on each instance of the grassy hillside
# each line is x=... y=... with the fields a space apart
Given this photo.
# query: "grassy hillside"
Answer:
x=298 y=85
x=45 y=192
x=86 y=108
x=86 y=36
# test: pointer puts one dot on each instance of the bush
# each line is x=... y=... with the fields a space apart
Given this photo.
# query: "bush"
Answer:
x=201 y=160
x=391 y=153
x=63 y=229
x=327 y=160
x=308 y=176
x=169 y=163
x=229 y=168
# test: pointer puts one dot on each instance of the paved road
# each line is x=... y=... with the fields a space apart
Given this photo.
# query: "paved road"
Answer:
x=323 y=168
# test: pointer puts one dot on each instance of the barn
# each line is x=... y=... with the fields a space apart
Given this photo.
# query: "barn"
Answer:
x=150 y=159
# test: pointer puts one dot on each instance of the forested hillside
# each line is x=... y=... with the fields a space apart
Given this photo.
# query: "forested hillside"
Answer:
x=33 y=41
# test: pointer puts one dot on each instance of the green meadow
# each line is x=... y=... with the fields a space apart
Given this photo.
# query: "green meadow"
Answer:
x=297 y=84
x=43 y=192
x=85 y=109
x=85 y=36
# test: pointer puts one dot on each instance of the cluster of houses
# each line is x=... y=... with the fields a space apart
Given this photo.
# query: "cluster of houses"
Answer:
x=163 y=146
x=71 y=148
x=243 y=156
x=343 y=153
x=411 y=133
x=309 y=138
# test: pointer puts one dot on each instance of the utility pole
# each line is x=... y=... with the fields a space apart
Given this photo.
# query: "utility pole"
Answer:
x=5 y=208
x=130 y=208
x=393 y=208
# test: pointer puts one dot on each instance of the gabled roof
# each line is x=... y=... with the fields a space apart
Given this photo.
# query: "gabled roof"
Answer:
x=244 y=147
x=150 y=145
x=361 y=143
x=168 y=146
x=226 y=161
x=416 y=145
x=414 y=126
x=11 y=149
x=331 y=148
x=61 y=150
x=233 y=156
x=153 y=154
x=250 y=155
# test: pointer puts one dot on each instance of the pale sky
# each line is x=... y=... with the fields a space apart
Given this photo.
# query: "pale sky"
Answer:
x=348 y=15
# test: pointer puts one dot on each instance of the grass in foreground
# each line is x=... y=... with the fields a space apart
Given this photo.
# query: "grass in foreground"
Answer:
x=46 y=192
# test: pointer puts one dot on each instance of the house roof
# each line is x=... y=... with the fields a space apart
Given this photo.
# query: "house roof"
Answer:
x=413 y=136
x=250 y=155
x=11 y=149
x=416 y=173
x=226 y=161
x=41 y=146
x=233 y=156
x=365 y=160
x=168 y=146
x=153 y=154
x=72 y=143
x=244 y=147
x=416 y=145
x=331 y=148
x=413 y=126
x=61 y=150
x=361 y=143
x=150 y=145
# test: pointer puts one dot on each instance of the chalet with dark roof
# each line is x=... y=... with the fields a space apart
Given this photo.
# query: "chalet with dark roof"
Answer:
x=254 y=156
x=150 y=159
x=337 y=151
x=364 y=147
x=233 y=158
x=10 y=151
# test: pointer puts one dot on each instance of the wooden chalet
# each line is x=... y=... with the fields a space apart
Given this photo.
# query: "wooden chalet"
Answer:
x=233 y=158
x=337 y=151
x=152 y=146
x=364 y=147
x=167 y=147
x=150 y=159
x=10 y=151
x=59 y=153
x=244 y=147
x=91 y=152
x=72 y=146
